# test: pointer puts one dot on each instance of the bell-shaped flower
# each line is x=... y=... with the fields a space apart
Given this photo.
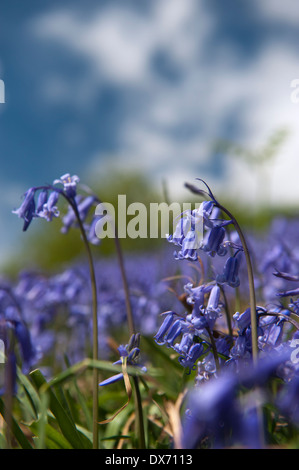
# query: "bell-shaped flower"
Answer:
x=189 y=231
x=129 y=351
x=69 y=184
x=213 y=309
x=188 y=360
x=27 y=209
x=168 y=320
x=214 y=244
x=230 y=272
x=49 y=208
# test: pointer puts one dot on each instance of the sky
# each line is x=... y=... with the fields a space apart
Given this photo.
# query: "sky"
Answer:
x=149 y=86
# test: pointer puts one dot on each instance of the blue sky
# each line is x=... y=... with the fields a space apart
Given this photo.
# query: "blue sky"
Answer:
x=147 y=85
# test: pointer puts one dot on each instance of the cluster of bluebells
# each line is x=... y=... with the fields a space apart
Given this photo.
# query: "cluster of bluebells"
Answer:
x=223 y=412
x=208 y=337
x=216 y=342
x=55 y=308
x=189 y=334
x=41 y=202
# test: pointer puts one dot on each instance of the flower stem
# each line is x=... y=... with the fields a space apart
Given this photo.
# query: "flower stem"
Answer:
x=95 y=340
x=252 y=298
x=130 y=319
x=125 y=284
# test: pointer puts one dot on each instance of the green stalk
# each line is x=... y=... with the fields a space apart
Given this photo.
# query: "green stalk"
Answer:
x=252 y=298
x=95 y=384
x=130 y=319
x=119 y=253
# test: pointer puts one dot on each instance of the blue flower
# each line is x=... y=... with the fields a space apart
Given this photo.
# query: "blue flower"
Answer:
x=214 y=244
x=189 y=357
x=69 y=184
x=27 y=209
x=230 y=271
x=42 y=199
x=91 y=233
x=213 y=309
x=189 y=231
x=47 y=210
x=212 y=412
x=129 y=351
x=168 y=320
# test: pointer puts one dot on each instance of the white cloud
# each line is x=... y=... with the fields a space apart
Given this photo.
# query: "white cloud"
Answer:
x=283 y=12
x=120 y=43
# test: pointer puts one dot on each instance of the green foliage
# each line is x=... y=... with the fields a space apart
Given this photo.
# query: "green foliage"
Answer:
x=56 y=414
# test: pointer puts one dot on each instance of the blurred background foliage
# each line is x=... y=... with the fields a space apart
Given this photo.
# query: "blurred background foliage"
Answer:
x=44 y=247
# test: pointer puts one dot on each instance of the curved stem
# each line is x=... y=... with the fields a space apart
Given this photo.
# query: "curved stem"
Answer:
x=125 y=284
x=137 y=395
x=252 y=298
x=95 y=340
x=227 y=313
x=214 y=349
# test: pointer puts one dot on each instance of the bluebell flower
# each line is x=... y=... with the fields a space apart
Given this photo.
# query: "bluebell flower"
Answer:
x=174 y=331
x=85 y=205
x=240 y=346
x=91 y=231
x=294 y=306
x=185 y=344
x=130 y=352
x=168 y=321
x=69 y=184
x=189 y=357
x=190 y=244
x=27 y=209
x=272 y=327
x=212 y=413
x=197 y=294
x=48 y=209
x=189 y=231
x=213 y=309
x=230 y=271
x=214 y=244
x=42 y=199
x=242 y=320
x=69 y=219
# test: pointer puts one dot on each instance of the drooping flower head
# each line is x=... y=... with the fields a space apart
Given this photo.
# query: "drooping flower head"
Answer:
x=26 y=210
x=69 y=184
x=131 y=354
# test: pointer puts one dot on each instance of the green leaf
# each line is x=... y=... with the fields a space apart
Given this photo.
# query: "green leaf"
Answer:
x=52 y=439
x=16 y=430
x=67 y=426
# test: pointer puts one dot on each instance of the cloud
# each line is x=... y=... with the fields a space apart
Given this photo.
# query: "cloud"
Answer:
x=177 y=101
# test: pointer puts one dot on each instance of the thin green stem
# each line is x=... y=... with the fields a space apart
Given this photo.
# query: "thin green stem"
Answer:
x=130 y=319
x=139 y=412
x=252 y=298
x=227 y=313
x=214 y=349
x=95 y=384
x=125 y=284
